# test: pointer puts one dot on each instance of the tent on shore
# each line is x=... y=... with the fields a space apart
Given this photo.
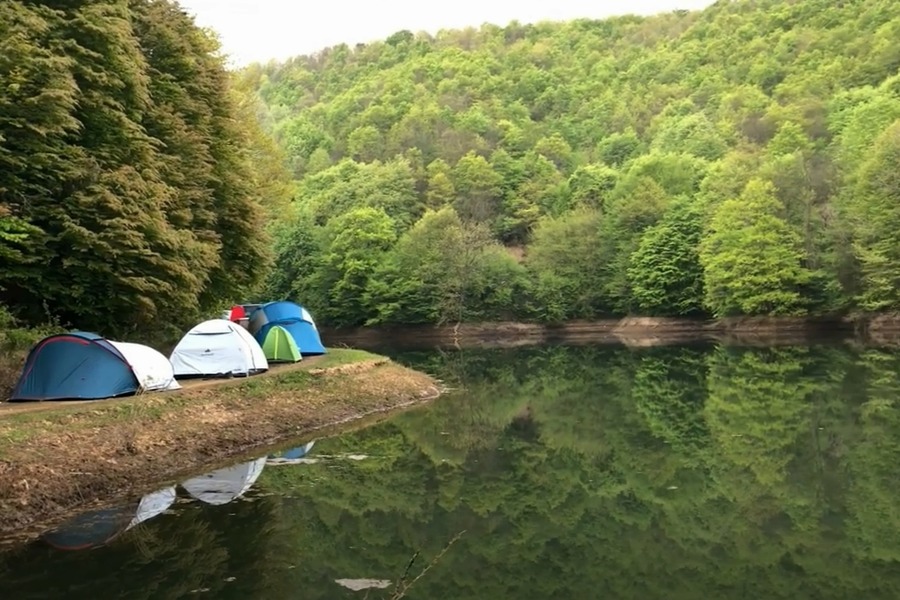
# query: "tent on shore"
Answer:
x=279 y=346
x=217 y=348
x=85 y=366
x=153 y=370
x=295 y=319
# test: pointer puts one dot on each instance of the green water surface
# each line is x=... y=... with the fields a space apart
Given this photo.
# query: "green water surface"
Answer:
x=562 y=472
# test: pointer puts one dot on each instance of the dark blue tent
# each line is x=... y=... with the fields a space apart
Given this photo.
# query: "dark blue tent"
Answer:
x=293 y=318
x=75 y=366
x=98 y=527
x=90 y=530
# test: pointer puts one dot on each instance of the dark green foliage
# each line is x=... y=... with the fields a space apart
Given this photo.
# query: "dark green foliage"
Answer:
x=126 y=179
x=665 y=273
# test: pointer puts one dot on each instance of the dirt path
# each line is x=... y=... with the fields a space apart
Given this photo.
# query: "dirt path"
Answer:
x=15 y=408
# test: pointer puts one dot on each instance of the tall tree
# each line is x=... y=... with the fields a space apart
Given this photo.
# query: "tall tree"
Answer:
x=126 y=165
x=664 y=272
x=751 y=257
x=875 y=210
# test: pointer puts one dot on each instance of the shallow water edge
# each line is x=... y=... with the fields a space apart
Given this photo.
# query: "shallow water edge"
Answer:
x=877 y=329
x=59 y=459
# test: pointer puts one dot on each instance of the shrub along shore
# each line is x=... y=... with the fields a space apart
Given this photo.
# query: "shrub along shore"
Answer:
x=63 y=457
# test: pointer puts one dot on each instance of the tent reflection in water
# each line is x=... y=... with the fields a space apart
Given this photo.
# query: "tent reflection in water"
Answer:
x=81 y=365
x=298 y=452
x=295 y=319
x=98 y=527
x=292 y=455
x=224 y=485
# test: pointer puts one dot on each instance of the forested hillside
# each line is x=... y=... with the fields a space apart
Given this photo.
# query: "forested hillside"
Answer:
x=134 y=181
x=742 y=160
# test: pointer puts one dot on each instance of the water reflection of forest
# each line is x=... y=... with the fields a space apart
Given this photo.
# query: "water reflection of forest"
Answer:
x=663 y=473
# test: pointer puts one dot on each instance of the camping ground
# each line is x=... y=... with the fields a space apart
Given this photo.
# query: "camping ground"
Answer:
x=60 y=457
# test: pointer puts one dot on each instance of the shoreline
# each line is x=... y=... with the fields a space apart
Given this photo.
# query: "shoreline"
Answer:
x=631 y=331
x=63 y=459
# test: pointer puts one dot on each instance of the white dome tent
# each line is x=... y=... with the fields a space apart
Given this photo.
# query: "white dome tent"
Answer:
x=153 y=370
x=224 y=485
x=217 y=348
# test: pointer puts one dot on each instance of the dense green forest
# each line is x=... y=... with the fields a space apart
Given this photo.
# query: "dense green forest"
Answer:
x=741 y=160
x=735 y=161
x=134 y=177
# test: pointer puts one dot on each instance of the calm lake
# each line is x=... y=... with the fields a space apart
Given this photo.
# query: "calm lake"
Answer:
x=560 y=472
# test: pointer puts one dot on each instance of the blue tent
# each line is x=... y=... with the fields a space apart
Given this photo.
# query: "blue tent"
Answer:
x=98 y=527
x=75 y=366
x=90 y=530
x=292 y=317
x=294 y=453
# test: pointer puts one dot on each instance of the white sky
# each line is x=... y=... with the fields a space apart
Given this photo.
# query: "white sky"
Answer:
x=260 y=30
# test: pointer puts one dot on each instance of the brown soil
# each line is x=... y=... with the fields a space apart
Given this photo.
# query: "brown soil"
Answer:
x=879 y=330
x=53 y=462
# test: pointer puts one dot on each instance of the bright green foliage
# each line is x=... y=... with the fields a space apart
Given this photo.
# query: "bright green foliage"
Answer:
x=861 y=124
x=441 y=191
x=876 y=216
x=676 y=174
x=477 y=188
x=390 y=187
x=692 y=134
x=298 y=261
x=444 y=270
x=623 y=225
x=565 y=260
x=617 y=148
x=591 y=185
x=516 y=127
x=752 y=258
x=354 y=244
x=365 y=143
x=665 y=273
x=124 y=162
x=17 y=246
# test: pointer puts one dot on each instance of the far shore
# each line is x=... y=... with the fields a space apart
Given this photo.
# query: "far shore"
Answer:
x=57 y=458
x=631 y=331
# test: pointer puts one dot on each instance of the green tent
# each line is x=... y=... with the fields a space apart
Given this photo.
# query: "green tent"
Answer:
x=280 y=346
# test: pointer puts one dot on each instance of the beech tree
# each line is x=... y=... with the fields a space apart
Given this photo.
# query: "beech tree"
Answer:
x=664 y=272
x=128 y=184
x=752 y=258
x=876 y=215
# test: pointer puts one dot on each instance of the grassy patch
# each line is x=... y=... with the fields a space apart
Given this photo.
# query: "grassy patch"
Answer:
x=21 y=427
x=344 y=356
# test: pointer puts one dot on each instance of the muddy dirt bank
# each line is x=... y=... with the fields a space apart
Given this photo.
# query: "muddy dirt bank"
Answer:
x=56 y=461
x=879 y=330
x=632 y=331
